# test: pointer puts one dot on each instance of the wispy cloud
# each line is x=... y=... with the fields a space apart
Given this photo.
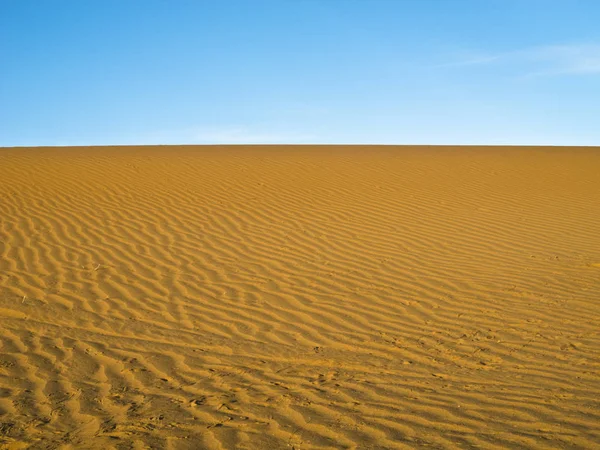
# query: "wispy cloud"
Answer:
x=246 y=135
x=567 y=59
x=201 y=135
x=219 y=135
x=550 y=60
x=471 y=59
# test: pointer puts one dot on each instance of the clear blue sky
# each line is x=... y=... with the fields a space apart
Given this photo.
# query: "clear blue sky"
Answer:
x=91 y=72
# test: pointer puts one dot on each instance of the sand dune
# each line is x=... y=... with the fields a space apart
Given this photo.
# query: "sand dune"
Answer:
x=299 y=297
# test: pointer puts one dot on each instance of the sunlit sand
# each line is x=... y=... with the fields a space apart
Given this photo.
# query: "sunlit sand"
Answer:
x=299 y=297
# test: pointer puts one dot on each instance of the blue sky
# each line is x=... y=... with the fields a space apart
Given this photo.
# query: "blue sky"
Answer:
x=94 y=72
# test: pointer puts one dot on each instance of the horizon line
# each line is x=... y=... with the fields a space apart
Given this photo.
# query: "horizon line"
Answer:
x=303 y=145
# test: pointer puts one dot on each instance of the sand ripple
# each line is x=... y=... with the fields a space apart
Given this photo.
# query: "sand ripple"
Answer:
x=321 y=297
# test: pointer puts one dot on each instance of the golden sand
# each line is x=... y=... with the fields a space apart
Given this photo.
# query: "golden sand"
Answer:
x=299 y=297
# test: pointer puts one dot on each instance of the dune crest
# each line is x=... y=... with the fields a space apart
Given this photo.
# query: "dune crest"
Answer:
x=299 y=297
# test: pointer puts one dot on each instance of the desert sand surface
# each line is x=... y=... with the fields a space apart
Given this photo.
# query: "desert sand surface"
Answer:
x=291 y=297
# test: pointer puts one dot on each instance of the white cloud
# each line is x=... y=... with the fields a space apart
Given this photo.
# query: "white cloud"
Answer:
x=567 y=59
x=212 y=135
x=246 y=135
x=570 y=59
x=470 y=59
